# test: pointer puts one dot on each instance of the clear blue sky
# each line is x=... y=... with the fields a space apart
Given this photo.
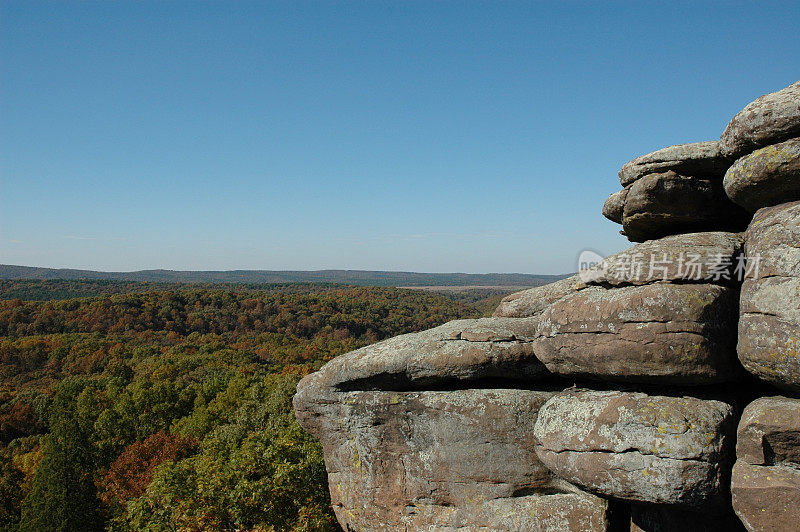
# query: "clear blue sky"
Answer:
x=424 y=136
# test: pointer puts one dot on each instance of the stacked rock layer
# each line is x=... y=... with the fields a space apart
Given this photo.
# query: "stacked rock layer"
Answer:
x=656 y=391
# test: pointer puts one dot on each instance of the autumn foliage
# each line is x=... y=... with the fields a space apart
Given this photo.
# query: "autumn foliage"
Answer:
x=131 y=473
x=171 y=409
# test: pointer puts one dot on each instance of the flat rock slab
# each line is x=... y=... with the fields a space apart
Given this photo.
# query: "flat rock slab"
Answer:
x=637 y=447
x=532 y=302
x=770 y=119
x=769 y=326
x=400 y=460
x=709 y=257
x=657 y=333
x=766 y=498
x=457 y=351
x=695 y=159
x=768 y=176
x=766 y=478
x=668 y=203
x=568 y=512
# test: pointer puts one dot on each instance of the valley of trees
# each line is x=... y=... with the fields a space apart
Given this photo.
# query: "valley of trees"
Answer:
x=171 y=409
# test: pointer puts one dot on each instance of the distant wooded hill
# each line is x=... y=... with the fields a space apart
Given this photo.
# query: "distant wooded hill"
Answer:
x=350 y=277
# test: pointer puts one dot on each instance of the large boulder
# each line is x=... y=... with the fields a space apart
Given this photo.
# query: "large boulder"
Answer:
x=441 y=460
x=656 y=333
x=769 y=326
x=709 y=257
x=614 y=207
x=697 y=159
x=766 y=478
x=766 y=177
x=667 y=203
x=769 y=432
x=690 y=257
x=533 y=301
x=770 y=119
x=462 y=350
x=650 y=313
x=638 y=447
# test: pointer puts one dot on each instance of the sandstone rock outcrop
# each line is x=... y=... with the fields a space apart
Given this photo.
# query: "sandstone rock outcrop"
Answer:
x=697 y=158
x=674 y=190
x=638 y=447
x=532 y=302
x=710 y=257
x=667 y=203
x=657 y=333
x=614 y=207
x=766 y=177
x=770 y=119
x=410 y=460
x=659 y=312
x=607 y=400
x=766 y=477
x=769 y=327
x=460 y=350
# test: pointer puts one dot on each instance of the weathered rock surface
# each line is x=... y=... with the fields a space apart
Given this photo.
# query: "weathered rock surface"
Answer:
x=440 y=430
x=692 y=257
x=766 y=177
x=462 y=459
x=770 y=119
x=769 y=432
x=667 y=203
x=769 y=326
x=766 y=498
x=532 y=302
x=570 y=512
x=766 y=478
x=461 y=350
x=696 y=159
x=657 y=333
x=614 y=206
x=709 y=257
x=637 y=447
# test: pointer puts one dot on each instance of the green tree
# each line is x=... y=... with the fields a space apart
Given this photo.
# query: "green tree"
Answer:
x=63 y=495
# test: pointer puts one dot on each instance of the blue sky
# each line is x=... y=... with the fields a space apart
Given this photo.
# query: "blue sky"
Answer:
x=423 y=136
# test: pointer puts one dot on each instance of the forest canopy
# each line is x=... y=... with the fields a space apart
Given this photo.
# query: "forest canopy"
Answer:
x=170 y=409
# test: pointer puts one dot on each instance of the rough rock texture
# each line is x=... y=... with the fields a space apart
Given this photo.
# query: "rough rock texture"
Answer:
x=697 y=159
x=769 y=326
x=460 y=459
x=461 y=350
x=766 y=177
x=614 y=206
x=766 y=477
x=638 y=447
x=769 y=432
x=657 y=333
x=467 y=426
x=692 y=257
x=532 y=302
x=667 y=203
x=770 y=119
